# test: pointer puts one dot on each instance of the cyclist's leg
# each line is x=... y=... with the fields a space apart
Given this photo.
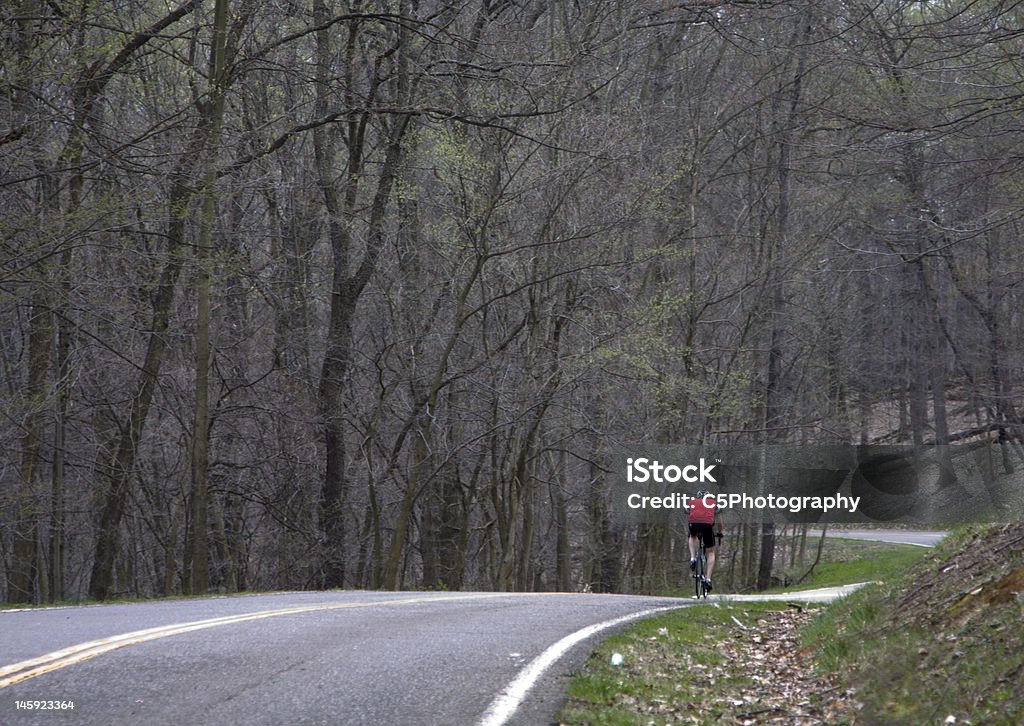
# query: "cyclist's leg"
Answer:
x=692 y=540
x=709 y=548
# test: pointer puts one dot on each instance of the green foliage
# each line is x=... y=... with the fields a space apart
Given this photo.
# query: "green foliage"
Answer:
x=453 y=159
x=850 y=561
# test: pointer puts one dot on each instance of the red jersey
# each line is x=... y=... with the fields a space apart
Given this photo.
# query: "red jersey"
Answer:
x=699 y=513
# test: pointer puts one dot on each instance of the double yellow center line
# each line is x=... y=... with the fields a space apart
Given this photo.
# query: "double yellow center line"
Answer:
x=22 y=671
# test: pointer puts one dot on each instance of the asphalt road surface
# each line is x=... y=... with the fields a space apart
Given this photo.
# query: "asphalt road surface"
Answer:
x=309 y=658
x=320 y=657
x=896 y=536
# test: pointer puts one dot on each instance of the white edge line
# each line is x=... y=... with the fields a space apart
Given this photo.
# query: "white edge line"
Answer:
x=838 y=534
x=504 y=706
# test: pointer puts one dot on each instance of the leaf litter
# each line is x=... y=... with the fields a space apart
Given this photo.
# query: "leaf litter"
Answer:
x=783 y=685
x=759 y=675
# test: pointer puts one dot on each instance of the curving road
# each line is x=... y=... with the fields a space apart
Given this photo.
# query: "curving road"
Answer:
x=309 y=658
x=920 y=538
x=317 y=657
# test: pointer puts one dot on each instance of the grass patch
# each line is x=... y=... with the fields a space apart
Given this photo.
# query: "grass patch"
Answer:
x=677 y=665
x=941 y=639
x=843 y=561
x=848 y=561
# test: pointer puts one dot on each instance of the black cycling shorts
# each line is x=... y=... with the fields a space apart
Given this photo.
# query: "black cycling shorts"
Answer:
x=705 y=531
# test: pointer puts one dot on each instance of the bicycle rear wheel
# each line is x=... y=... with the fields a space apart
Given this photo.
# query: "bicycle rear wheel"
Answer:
x=698 y=575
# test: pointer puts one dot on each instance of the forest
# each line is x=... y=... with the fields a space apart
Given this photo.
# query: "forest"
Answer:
x=321 y=293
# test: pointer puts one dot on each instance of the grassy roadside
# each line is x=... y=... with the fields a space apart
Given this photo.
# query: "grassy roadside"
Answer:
x=943 y=642
x=843 y=561
x=846 y=561
x=731 y=662
x=727 y=662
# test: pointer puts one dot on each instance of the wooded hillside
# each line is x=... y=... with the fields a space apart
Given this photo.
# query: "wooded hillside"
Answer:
x=325 y=293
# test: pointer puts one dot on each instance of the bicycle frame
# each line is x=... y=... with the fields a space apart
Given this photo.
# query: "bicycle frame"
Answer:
x=700 y=570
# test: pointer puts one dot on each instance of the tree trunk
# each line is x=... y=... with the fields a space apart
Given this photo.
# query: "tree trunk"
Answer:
x=197 y=555
x=22 y=573
x=788 y=104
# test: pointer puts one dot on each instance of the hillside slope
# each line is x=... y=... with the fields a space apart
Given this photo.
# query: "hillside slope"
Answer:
x=942 y=644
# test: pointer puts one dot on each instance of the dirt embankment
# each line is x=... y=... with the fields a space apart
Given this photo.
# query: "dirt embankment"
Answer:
x=985 y=570
x=945 y=644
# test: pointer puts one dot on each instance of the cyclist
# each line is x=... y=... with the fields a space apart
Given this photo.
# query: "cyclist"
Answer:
x=702 y=523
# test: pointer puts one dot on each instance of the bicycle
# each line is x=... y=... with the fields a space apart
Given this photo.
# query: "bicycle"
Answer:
x=700 y=567
x=699 y=570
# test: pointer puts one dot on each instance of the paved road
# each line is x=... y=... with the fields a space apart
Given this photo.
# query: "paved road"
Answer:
x=897 y=536
x=336 y=657
x=311 y=658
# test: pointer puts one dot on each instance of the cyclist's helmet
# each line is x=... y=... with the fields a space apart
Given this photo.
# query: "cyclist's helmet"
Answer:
x=701 y=493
